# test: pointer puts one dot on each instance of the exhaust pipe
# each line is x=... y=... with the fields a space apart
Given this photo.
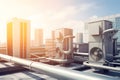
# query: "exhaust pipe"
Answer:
x=57 y=72
x=86 y=63
x=70 y=38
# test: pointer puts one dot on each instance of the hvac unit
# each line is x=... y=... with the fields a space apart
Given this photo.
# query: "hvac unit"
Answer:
x=60 y=35
x=100 y=42
x=64 y=43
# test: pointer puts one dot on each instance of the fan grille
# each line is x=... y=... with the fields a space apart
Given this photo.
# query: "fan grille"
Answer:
x=96 y=54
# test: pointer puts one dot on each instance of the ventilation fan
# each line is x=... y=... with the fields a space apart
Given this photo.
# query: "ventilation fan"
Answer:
x=96 y=54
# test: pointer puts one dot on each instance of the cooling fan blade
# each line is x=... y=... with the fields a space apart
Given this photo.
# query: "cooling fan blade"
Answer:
x=96 y=54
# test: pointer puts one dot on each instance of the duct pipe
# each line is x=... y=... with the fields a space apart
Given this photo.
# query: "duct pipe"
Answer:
x=57 y=72
x=70 y=39
x=110 y=30
x=86 y=63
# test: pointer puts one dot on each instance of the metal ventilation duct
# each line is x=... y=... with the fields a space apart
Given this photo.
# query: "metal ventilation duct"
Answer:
x=57 y=72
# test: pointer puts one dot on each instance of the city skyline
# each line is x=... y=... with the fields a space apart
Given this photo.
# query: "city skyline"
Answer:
x=54 y=14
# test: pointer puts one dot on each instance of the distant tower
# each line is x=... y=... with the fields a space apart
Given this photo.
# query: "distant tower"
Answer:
x=79 y=38
x=18 y=37
x=53 y=35
x=39 y=37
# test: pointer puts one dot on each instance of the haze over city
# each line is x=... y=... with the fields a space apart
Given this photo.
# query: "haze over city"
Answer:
x=59 y=40
x=53 y=14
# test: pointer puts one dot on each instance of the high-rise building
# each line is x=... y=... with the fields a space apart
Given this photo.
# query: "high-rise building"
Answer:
x=115 y=19
x=39 y=37
x=50 y=47
x=53 y=35
x=79 y=38
x=18 y=37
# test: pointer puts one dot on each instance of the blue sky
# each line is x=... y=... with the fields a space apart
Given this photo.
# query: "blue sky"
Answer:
x=108 y=7
x=53 y=14
x=99 y=8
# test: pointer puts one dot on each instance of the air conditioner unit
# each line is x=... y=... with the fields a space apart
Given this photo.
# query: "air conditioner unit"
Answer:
x=64 y=44
x=100 y=43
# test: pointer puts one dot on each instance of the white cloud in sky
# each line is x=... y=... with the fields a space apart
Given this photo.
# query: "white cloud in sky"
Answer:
x=46 y=14
x=93 y=17
x=51 y=20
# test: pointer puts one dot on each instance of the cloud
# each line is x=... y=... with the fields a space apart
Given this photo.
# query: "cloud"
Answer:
x=93 y=17
x=46 y=14
x=65 y=17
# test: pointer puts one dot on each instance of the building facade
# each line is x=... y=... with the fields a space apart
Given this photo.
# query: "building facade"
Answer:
x=79 y=38
x=18 y=37
x=39 y=37
x=50 y=47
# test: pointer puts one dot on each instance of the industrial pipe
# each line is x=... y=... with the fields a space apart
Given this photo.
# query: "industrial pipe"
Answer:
x=81 y=54
x=70 y=38
x=86 y=63
x=54 y=71
x=110 y=30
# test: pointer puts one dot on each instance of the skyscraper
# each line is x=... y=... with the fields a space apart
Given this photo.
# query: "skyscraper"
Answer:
x=18 y=37
x=79 y=38
x=38 y=37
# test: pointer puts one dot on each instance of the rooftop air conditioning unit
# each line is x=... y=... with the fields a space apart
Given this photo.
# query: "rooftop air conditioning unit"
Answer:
x=64 y=44
x=100 y=43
